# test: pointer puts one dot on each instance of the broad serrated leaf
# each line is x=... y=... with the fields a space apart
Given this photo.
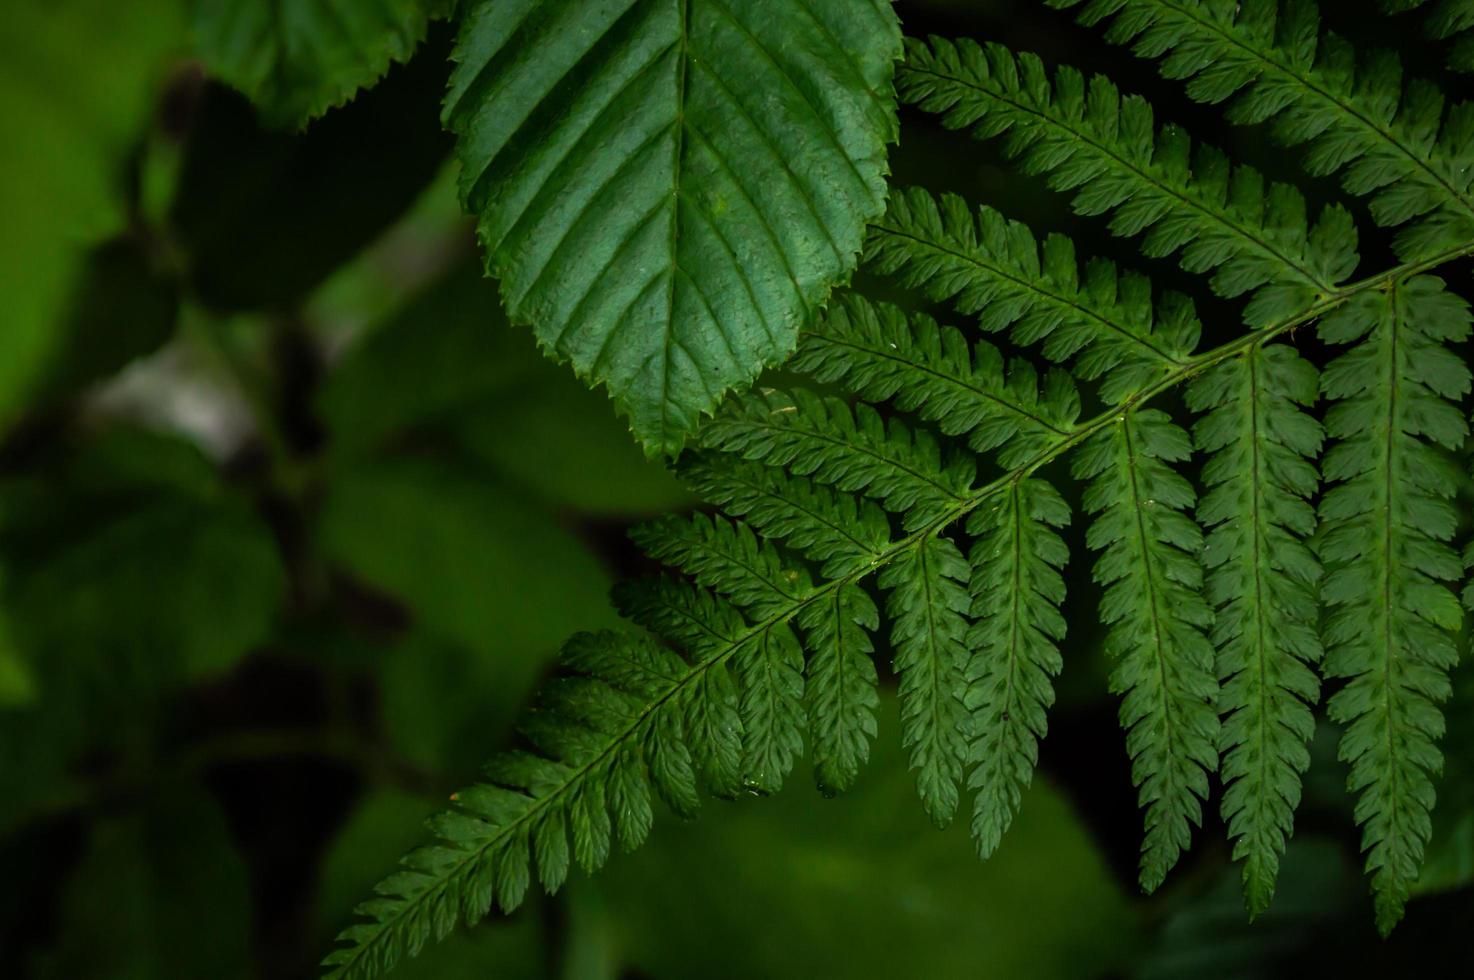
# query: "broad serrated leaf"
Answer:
x=299 y=58
x=668 y=189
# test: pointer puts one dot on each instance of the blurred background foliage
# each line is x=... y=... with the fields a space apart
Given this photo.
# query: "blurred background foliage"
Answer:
x=291 y=522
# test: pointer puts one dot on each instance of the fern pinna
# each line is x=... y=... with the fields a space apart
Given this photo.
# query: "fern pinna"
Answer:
x=911 y=486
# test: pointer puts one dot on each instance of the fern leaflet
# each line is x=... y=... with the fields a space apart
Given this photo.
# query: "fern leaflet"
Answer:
x=1263 y=581
x=1388 y=520
x=1017 y=591
x=1106 y=149
x=1153 y=605
x=1386 y=139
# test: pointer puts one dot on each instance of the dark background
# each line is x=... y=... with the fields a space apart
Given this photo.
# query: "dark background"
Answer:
x=294 y=521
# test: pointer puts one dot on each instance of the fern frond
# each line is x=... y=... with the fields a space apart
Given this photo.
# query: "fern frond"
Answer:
x=1262 y=579
x=842 y=694
x=1154 y=607
x=614 y=728
x=850 y=450
x=727 y=557
x=770 y=679
x=1017 y=591
x=1386 y=139
x=1388 y=520
x=841 y=532
x=928 y=606
x=992 y=267
x=875 y=351
x=1104 y=147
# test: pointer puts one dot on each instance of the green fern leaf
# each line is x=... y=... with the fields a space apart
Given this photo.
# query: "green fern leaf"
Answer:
x=1388 y=520
x=1262 y=579
x=770 y=679
x=642 y=210
x=726 y=557
x=927 y=445
x=1156 y=614
x=841 y=684
x=1387 y=140
x=1088 y=139
x=298 y=60
x=849 y=449
x=994 y=268
x=1453 y=20
x=928 y=606
x=1017 y=591
x=841 y=532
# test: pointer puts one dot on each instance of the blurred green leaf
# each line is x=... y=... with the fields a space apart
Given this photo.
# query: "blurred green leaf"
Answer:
x=158 y=895
x=864 y=886
x=131 y=572
x=122 y=308
x=1208 y=935
x=561 y=439
x=171 y=590
x=265 y=216
x=76 y=85
x=450 y=360
x=446 y=349
x=383 y=826
x=445 y=704
x=17 y=685
x=1450 y=859
x=473 y=560
x=298 y=60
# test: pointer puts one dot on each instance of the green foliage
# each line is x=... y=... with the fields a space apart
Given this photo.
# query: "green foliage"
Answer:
x=1387 y=140
x=1017 y=591
x=862 y=885
x=296 y=60
x=1105 y=148
x=77 y=80
x=1387 y=520
x=1211 y=606
x=640 y=204
x=1263 y=582
x=182 y=894
x=243 y=484
x=1152 y=577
